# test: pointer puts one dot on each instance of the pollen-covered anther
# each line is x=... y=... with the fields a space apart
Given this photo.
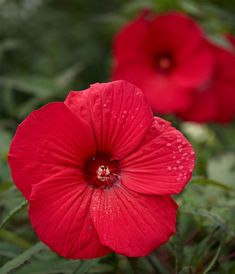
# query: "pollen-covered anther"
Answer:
x=103 y=173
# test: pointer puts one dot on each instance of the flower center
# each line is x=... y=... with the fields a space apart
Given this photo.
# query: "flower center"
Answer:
x=164 y=62
x=102 y=171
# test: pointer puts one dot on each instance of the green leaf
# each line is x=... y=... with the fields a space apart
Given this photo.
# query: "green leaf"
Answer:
x=157 y=264
x=215 y=258
x=204 y=181
x=14 y=239
x=12 y=213
x=86 y=266
x=37 y=86
x=51 y=265
x=22 y=258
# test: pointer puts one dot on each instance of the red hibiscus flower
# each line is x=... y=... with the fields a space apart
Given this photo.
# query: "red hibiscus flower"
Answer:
x=98 y=171
x=214 y=101
x=165 y=56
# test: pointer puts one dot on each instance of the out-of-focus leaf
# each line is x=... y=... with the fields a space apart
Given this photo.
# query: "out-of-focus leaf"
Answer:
x=51 y=266
x=68 y=75
x=190 y=7
x=40 y=87
x=157 y=264
x=14 y=239
x=12 y=213
x=9 y=250
x=221 y=41
x=213 y=261
x=204 y=181
x=221 y=168
x=85 y=266
x=22 y=258
x=134 y=7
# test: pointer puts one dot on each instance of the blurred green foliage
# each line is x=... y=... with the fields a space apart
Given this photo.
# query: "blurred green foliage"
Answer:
x=50 y=47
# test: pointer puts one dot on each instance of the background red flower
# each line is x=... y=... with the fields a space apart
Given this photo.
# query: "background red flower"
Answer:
x=214 y=101
x=165 y=56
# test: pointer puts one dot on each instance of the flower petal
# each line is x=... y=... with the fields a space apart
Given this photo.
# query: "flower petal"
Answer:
x=48 y=140
x=202 y=107
x=175 y=31
x=59 y=213
x=215 y=99
x=164 y=94
x=231 y=39
x=130 y=42
x=132 y=224
x=196 y=68
x=117 y=112
x=163 y=163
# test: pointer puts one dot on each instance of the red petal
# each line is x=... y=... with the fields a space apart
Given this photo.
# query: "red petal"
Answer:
x=223 y=84
x=196 y=68
x=215 y=100
x=132 y=224
x=163 y=163
x=226 y=102
x=134 y=72
x=118 y=114
x=165 y=95
x=162 y=92
x=231 y=39
x=131 y=41
x=59 y=213
x=202 y=108
x=47 y=141
x=177 y=32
